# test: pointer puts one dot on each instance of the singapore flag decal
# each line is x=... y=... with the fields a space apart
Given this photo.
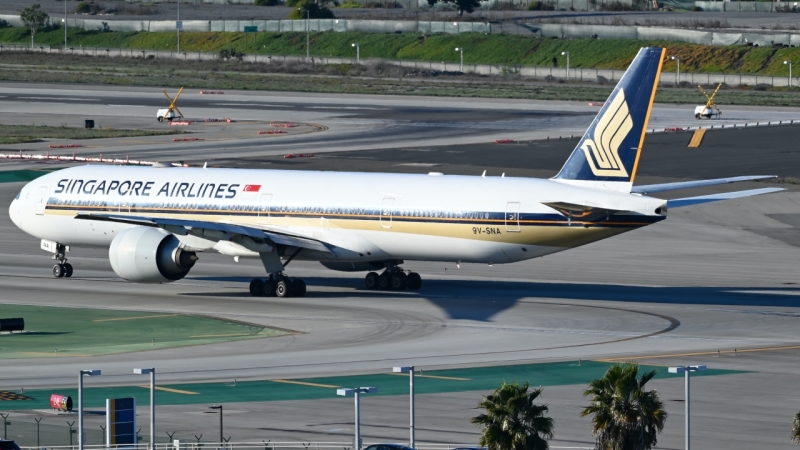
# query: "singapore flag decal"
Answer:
x=251 y=188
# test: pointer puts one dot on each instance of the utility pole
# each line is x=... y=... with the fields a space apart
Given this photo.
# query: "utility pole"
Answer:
x=179 y=25
x=686 y=370
x=678 y=73
x=65 y=25
x=308 y=34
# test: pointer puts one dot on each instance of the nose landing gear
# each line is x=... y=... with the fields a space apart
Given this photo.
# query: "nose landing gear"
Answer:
x=63 y=268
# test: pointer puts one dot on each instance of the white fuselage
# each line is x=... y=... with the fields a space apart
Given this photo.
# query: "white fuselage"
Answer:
x=361 y=216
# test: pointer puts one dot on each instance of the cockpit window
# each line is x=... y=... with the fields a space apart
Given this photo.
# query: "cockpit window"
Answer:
x=18 y=194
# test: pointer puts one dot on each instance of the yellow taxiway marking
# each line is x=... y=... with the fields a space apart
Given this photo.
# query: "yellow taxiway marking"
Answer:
x=303 y=383
x=176 y=391
x=133 y=318
x=697 y=138
x=432 y=376
x=721 y=352
x=220 y=335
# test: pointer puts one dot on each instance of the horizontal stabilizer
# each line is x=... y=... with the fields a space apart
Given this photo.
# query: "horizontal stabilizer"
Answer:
x=280 y=238
x=689 y=201
x=664 y=187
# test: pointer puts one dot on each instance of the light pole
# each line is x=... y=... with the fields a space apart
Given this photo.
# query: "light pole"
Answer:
x=358 y=52
x=179 y=25
x=219 y=407
x=461 y=67
x=152 y=373
x=686 y=370
x=678 y=76
x=65 y=25
x=308 y=33
x=91 y=373
x=567 y=55
x=410 y=371
x=346 y=392
x=790 y=72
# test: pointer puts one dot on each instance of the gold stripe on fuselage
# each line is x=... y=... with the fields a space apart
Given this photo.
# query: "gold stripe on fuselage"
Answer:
x=531 y=232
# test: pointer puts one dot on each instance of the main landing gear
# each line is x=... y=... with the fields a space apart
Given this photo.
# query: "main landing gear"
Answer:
x=278 y=285
x=393 y=278
x=63 y=268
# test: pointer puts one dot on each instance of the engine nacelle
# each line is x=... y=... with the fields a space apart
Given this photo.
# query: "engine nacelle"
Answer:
x=149 y=255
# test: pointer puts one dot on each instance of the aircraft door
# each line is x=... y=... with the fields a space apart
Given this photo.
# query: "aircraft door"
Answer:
x=512 y=216
x=264 y=202
x=41 y=200
x=386 y=212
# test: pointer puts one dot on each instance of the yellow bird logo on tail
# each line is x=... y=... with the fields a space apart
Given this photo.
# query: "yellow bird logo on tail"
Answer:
x=602 y=150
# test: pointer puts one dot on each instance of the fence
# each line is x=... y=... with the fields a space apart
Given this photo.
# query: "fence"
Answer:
x=665 y=34
x=178 y=444
x=340 y=25
x=548 y=73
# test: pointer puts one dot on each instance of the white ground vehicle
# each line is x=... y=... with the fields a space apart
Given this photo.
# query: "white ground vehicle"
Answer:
x=172 y=112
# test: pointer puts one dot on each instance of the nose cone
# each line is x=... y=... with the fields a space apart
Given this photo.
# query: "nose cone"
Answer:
x=13 y=212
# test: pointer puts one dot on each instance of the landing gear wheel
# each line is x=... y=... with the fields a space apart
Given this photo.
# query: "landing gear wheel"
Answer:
x=269 y=288
x=282 y=289
x=384 y=281
x=398 y=281
x=67 y=270
x=299 y=287
x=160 y=118
x=256 y=287
x=414 y=281
x=371 y=280
x=59 y=271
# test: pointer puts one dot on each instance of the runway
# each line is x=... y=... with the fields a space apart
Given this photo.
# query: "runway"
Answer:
x=711 y=277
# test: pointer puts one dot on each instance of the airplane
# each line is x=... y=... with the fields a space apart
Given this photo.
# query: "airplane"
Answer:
x=156 y=220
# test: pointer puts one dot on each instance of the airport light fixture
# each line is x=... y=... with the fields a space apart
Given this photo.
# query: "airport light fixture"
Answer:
x=91 y=373
x=308 y=33
x=347 y=392
x=461 y=67
x=677 y=59
x=178 y=26
x=358 y=52
x=410 y=371
x=567 y=55
x=152 y=373
x=687 y=370
x=219 y=407
x=790 y=72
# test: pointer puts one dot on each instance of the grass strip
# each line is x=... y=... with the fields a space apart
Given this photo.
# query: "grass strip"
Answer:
x=18 y=134
x=499 y=49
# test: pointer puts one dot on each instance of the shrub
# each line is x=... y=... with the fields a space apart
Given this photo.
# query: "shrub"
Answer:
x=267 y=2
x=84 y=8
x=351 y=5
x=696 y=8
x=307 y=8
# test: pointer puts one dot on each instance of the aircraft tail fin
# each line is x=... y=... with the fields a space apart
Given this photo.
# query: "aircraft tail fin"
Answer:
x=608 y=154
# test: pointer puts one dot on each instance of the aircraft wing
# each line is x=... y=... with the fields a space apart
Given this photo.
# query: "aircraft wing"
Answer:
x=180 y=226
x=677 y=203
x=652 y=188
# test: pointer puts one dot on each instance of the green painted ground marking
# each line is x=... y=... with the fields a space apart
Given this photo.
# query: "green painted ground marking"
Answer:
x=480 y=378
x=69 y=332
x=16 y=176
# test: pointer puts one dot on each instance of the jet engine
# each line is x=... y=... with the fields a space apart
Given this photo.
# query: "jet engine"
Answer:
x=149 y=255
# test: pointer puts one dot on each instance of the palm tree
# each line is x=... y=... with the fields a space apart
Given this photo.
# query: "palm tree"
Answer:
x=624 y=415
x=796 y=429
x=513 y=421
